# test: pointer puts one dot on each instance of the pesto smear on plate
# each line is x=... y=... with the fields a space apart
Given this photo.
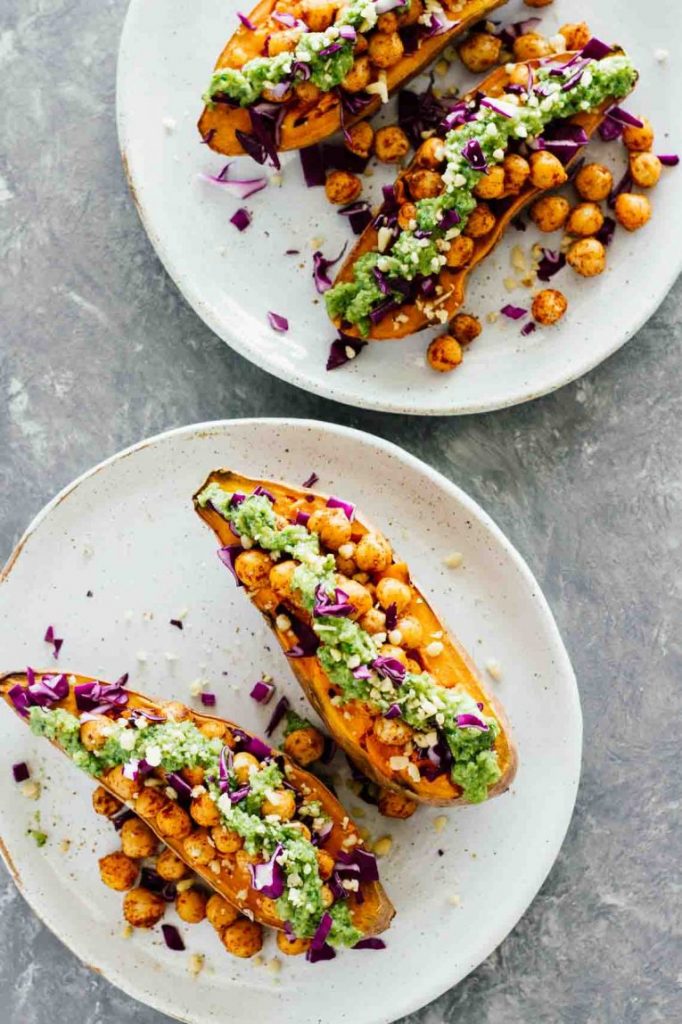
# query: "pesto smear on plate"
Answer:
x=493 y=130
x=351 y=656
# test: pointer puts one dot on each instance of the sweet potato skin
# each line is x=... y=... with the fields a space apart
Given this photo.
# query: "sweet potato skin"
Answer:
x=454 y=281
x=303 y=125
x=451 y=668
x=372 y=916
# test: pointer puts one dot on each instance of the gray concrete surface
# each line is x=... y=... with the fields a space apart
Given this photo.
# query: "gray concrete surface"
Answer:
x=99 y=350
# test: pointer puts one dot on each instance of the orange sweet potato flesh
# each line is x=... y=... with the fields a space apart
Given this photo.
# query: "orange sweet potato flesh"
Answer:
x=454 y=281
x=233 y=882
x=305 y=124
x=351 y=724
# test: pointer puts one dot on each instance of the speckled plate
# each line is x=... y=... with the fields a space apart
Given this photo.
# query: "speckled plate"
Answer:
x=126 y=534
x=232 y=280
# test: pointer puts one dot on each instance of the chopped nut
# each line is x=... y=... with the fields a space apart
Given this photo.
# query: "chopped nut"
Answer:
x=274 y=965
x=382 y=847
x=184 y=884
x=454 y=560
x=440 y=822
x=454 y=900
x=494 y=669
x=31 y=789
x=196 y=964
x=126 y=931
x=434 y=649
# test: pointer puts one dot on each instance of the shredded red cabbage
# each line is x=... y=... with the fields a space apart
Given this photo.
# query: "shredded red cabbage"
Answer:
x=624 y=185
x=347 y=506
x=278 y=323
x=208 y=700
x=262 y=142
x=320 y=270
x=513 y=312
x=56 y=641
x=339 y=158
x=528 y=328
x=246 y=22
x=393 y=711
x=360 y=863
x=252 y=744
x=281 y=708
x=227 y=556
x=669 y=159
x=391 y=617
x=330 y=748
x=152 y=880
x=260 y=490
x=119 y=820
x=343 y=350
x=262 y=692
x=241 y=219
x=177 y=623
x=623 y=117
x=508 y=33
x=240 y=188
x=20 y=772
x=359 y=215
x=472 y=722
x=172 y=938
x=606 y=232
x=595 y=49
x=308 y=641
x=499 y=106
x=551 y=263
x=563 y=139
x=41 y=693
x=420 y=112
x=302 y=518
x=337 y=606
x=610 y=130
x=98 y=698
x=325 y=952
x=390 y=668
x=181 y=787
x=312 y=164
x=268 y=878
x=370 y=943
x=311 y=481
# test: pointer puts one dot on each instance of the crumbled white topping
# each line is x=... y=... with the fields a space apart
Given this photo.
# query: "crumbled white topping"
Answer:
x=283 y=623
x=661 y=55
x=494 y=669
x=170 y=124
x=398 y=763
x=454 y=559
x=434 y=649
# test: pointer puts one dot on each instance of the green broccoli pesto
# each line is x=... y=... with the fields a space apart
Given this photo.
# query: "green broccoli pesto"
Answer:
x=412 y=256
x=176 y=745
x=345 y=647
x=326 y=69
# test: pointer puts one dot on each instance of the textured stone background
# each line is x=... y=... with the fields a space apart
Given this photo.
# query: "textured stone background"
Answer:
x=99 y=350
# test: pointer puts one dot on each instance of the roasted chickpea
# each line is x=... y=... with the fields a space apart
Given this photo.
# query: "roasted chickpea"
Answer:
x=118 y=871
x=549 y=306
x=387 y=22
x=373 y=621
x=395 y=805
x=283 y=42
x=244 y=765
x=373 y=552
x=584 y=219
x=390 y=591
x=191 y=905
x=204 y=810
x=318 y=14
x=392 y=731
x=391 y=651
x=413 y=13
x=359 y=139
x=577 y=34
x=327 y=896
x=304 y=745
x=516 y=172
x=137 y=839
x=220 y=913
x=360 y=44
x=125 y=789
x=244 y=938
x=253 y=568
x=170 y=866
x=198 y=848
x=481 y=221
x=291 y=945
x=460 y=252
x=530 y=46
x=307 y=92
x=225 y=840
x=332 y=525
x=325 y=864
x=280 y=802
x=519 y=74
x=280 y=579
x=175 y=711
x=359 y=76
x=385 y=49
x=645 y=169
x=593 y=182
x=95 y=732
x=142 y=908
x=465 y=328
x=431 y=153
x=491 y=185
x=546 y=170
x=213 y=730
x=424 y=184
x=411 y=631
x=638 y=140
x=104 y=803
x=272 y=96
x=407 y=215
x=587 y=256
x=193 y=776
x=632 y=211
x=342 y=187
x=173 y=821
x=358 y=595
x=480 y=52
x=550 y=213
x=150 y=801
x=391 y=144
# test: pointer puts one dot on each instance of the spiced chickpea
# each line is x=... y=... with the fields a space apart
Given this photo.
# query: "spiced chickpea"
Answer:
x=531 y=46
x=291 y=945
x=373 y=552
x=516 y=171
x=359 y=76
x=220 y=913
x=225 y=840
x=395 y=805
x=173 y=821
x=332 y=525
x=491 y=185
x=546 y=170
x=387 y=22
x=150 y=801
x=198 y=848
x=407 y=216
x=283 y=42
x=318 y=14
x=576 y=33
x=373 y=621
x=584 y=220
x=253 y=568
x=391 y=144
x=632 y=211
x=104 y=803
x=465 y=328
x=361 y=45
x=593 y=182
x=279 y=802
x=273 y=96
x=175 y=711
x=325 y=864
x=124 y=788
x=281 y=579
x=425 y=184
x=118 y=871
x=204 y=811
x=390 y=591
x=191 y=905
x=480 y=51
x=549 y=306
x=431 y=153
x=342 y=187
x=549 y=213
x=244 y=938
x=170 y=866
x=460 y=252
x=411 y=631
x=244 y=765
x=304 y=745
x=307 y=92
x=645 y=169
x=519 y=74
x=142 y=908
x=413 y=13
x=95 y=732
x=391 y=651
x=358 y=595
x=137 y=839
x=444 y=353
x=214 y=731
x=359 y=138
x=638 y=140
x=392 y=731
x=385 y=49
x=587 y=256
x=327 y=896
x=481 y=221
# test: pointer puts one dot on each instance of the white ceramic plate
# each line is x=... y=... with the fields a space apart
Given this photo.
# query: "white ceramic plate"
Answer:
x=167 y=52
x=127 y=532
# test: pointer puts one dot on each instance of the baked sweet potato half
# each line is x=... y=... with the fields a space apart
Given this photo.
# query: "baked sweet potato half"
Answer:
x=299 y=71
x=496 y=150
x=395 y=689
x=263 y=833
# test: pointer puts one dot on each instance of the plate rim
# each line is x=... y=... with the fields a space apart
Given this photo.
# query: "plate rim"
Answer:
x=551 y=848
